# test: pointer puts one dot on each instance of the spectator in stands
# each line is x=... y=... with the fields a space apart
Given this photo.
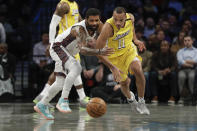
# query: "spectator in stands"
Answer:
x=140 y=23
x=178 y=42
x=90 y=68
x=39 y=50
x=42 y=65
x=149 y=27
x=189 y=25
x=154 y=41
x=187 y=60
x=151 y=42
x=140 y=33
x=163 y=75
x=160 y=36
x=7 y=70
x=173 y=25
x=185 y=28
x=165 y=26
x=2 y=34
x=108 y=89
x=7 y=61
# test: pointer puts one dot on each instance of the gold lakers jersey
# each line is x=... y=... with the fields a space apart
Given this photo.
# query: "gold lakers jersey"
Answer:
x=122 y=38
x=71 y=18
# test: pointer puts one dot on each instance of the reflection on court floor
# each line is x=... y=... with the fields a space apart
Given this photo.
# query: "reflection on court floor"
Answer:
x=21 y=117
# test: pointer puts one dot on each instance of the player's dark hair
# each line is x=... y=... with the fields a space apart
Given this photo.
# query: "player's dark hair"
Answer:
x=120 y=10
x=92 y=12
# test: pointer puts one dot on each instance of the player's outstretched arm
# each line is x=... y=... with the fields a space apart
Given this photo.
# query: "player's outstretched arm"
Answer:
x=106 y=32
x=79 y=33
x=115 y=71
x=90 y=51
x=61 y=9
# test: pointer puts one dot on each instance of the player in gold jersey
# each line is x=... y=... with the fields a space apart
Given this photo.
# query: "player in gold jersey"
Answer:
x=65 y=15
x=118 y=33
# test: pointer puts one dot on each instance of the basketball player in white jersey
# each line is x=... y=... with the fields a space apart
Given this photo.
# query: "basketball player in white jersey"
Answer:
x=66 y=45
x=65 y=15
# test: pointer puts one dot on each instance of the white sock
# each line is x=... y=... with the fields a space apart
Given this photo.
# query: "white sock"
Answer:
x=45 y=90
x=132 y=97
x=65 y=93
x=81 y=93
x=141 y=100
x=68 y=83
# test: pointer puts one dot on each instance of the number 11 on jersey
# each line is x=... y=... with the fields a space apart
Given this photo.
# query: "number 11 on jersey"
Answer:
x=121 y=44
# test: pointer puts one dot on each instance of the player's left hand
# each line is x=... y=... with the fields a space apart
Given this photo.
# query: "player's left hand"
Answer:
x=106 y=51
x=140 y=45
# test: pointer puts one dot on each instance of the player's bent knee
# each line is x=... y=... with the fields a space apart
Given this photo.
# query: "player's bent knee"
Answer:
x=51 y=79
x=79 y=86
x=125 y=84
x=137 y=70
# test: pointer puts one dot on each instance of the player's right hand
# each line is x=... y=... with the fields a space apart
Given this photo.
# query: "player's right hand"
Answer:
x=116 y=74
x=106 y=51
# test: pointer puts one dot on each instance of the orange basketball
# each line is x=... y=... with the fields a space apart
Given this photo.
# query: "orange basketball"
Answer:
x=96 y=107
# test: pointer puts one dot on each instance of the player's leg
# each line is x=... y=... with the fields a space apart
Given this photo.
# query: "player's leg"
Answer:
x=41 y=107
x=50 y=81
x=123 y=62
x=136 y=67
x=128 y=94
x=83 y=99
x=126 y=90
x=74 y=69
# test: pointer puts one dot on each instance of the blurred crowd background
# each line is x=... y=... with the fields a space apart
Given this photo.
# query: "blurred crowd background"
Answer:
x=161 y=24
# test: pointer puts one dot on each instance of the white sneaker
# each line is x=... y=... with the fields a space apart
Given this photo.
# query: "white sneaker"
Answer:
x=180 y=102
x=43 y=110
x=133 y=104
x=154 y=102
x=171 y=102
x=63 y=106
x=142 y=109
x=84 y=102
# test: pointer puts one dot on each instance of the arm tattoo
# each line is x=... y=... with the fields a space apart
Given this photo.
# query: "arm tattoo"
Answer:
x=79 y=32
x=90 y=51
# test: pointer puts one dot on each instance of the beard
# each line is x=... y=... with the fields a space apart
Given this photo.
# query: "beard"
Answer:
x=92 y=28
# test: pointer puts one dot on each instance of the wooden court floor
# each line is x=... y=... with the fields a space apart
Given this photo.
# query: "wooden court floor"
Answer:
x=21 y=117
